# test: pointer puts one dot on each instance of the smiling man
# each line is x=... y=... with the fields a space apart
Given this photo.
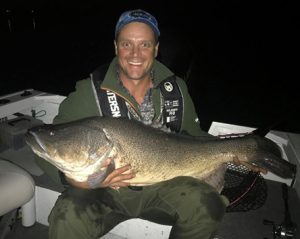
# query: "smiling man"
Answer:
x=136 y=86
x=136 y=46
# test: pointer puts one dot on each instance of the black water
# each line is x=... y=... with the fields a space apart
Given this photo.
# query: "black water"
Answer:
x=237 y=58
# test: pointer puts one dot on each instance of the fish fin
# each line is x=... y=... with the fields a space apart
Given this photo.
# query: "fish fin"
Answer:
x=217 y=178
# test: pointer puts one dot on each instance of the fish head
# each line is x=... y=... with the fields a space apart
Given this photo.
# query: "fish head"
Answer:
x=71 y=147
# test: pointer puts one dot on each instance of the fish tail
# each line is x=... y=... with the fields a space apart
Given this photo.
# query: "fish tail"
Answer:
x=276 y=165
x=269 y=157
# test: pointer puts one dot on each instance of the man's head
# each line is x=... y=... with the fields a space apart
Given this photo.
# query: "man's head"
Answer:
x=136 y=44
x=137 y=15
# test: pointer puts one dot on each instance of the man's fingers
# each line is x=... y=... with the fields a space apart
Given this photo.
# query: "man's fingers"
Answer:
x=254 y=168
x=118 y=172
x=119 y=185
x=117 y=177
x=258 y=169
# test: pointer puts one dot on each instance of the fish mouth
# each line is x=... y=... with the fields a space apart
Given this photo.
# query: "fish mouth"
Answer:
x=34 y=141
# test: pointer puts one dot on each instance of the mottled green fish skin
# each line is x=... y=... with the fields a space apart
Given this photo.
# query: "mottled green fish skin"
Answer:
x=79 y=149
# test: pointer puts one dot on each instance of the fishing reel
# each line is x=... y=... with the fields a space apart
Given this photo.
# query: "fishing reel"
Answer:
x=281 y=231
x=287 y=229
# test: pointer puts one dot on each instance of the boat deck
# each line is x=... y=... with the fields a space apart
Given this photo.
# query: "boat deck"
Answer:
x=235 y=225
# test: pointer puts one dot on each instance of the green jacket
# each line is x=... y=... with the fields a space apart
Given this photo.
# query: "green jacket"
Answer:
x=83 y=102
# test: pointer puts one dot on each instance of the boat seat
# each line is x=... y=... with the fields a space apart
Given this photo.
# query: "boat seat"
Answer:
x=17 y=189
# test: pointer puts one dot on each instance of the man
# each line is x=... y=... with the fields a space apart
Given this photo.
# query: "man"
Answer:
x=138 y=87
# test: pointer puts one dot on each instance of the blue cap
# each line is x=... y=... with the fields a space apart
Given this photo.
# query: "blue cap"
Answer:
x=137 y=15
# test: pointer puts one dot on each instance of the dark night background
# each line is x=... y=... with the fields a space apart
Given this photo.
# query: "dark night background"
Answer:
x=239 y=58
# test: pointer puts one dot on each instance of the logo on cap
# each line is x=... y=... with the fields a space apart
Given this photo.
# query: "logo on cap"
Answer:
x=139 y=13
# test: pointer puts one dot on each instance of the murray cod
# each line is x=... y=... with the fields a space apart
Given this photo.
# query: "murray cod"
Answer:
x=93 y=147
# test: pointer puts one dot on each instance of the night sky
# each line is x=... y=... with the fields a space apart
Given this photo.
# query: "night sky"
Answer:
x=238 y=58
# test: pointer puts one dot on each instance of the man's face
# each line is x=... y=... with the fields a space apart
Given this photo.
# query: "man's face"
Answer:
x=136 y=50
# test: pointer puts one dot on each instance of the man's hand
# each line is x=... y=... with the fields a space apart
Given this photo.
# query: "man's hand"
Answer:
x=116 y=178
x=250 y=166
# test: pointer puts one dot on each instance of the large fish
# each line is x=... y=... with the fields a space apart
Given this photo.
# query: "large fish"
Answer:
x=80 y=149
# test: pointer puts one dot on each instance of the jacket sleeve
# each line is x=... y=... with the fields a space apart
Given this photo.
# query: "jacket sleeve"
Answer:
x=190 y=121
x=79 y=104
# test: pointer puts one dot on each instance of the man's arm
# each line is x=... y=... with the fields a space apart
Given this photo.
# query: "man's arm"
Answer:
x=80 y=104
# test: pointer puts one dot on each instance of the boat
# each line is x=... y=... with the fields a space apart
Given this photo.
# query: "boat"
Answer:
x=33 y=195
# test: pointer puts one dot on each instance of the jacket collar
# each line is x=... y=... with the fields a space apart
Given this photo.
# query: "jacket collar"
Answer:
x=112 y=83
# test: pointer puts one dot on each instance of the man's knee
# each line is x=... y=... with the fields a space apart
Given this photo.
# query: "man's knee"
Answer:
x=199 y=209
x=196 y=198
x=71 y=218
x=62 y=210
